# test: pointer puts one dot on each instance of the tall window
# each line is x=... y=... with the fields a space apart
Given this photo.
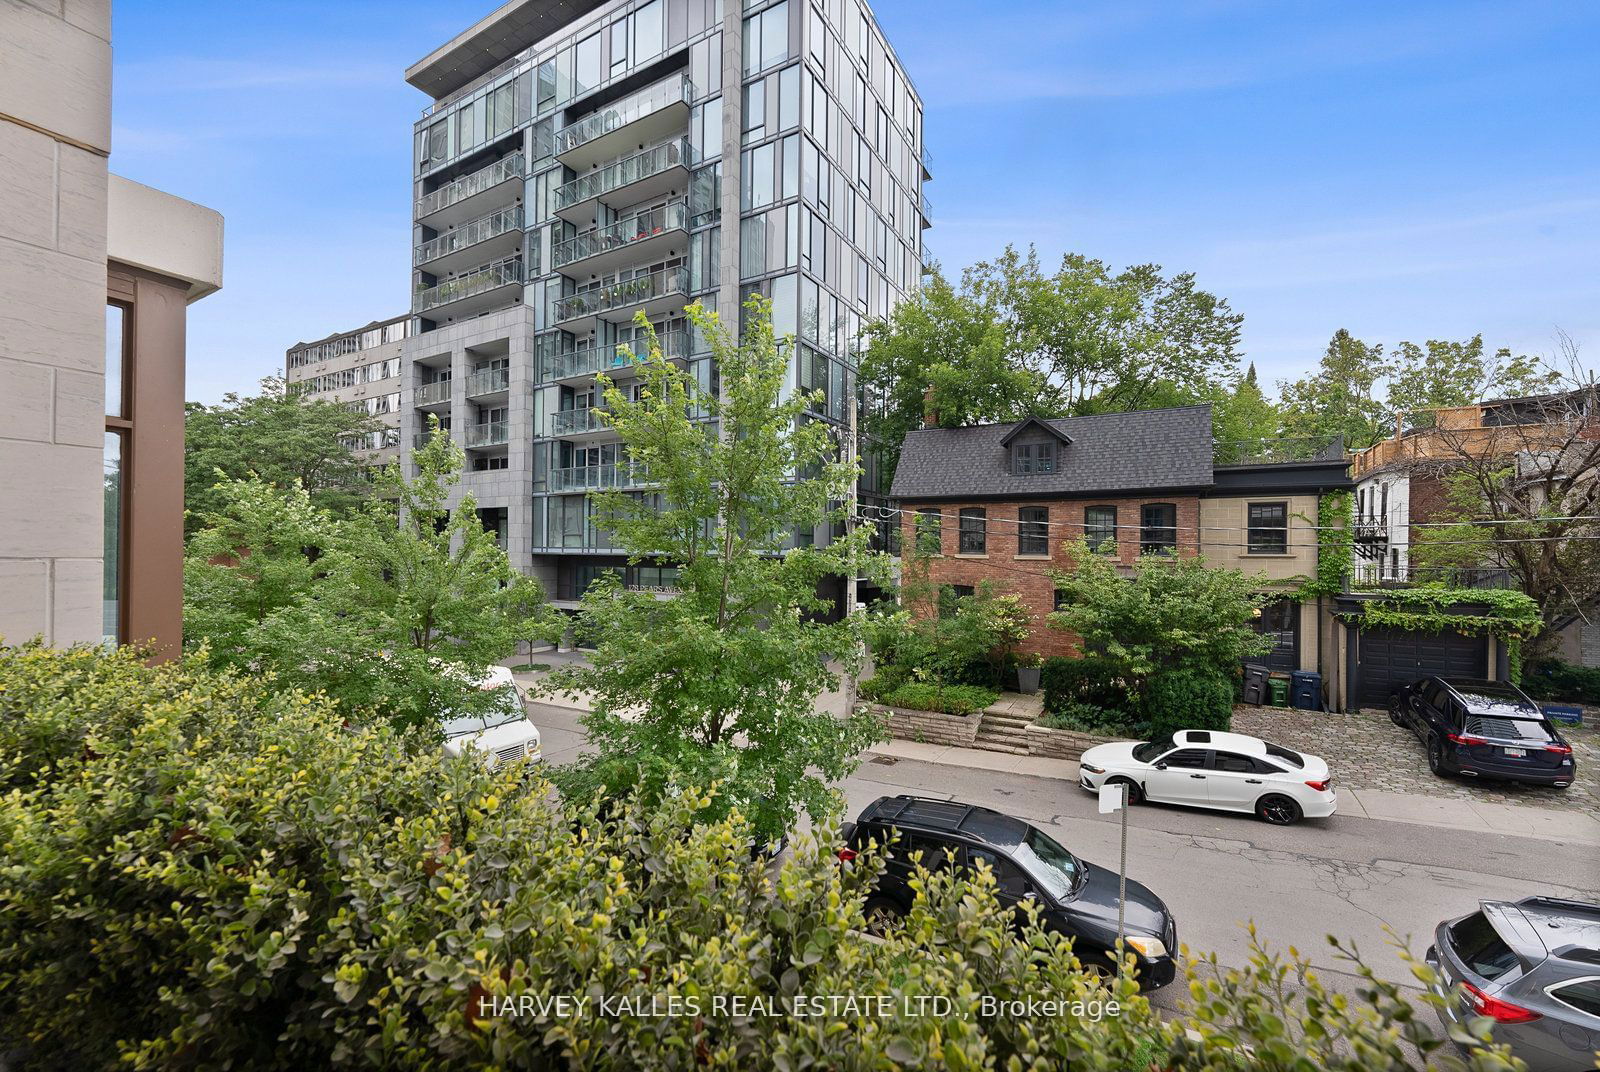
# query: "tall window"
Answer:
x=930 y=538
x=974 y=539
x=1033 y=530
x=1158 y=528
x=1100 y=527
x=115 y=507
x=1028 y=458
x=1267 y=530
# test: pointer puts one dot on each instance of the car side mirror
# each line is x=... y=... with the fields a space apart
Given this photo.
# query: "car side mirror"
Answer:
x=1160 y=764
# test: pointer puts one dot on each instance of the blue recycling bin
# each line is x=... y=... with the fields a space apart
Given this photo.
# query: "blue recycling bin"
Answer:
x=1305 y=690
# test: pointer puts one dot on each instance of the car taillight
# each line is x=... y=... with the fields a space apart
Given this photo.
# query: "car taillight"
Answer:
x=1467 y=738
x=1322 y=786
x=1559 y=749
x=846 y=855
x=1501 y=1012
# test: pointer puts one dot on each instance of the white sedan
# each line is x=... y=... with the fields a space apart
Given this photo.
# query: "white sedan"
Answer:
x=1210 y=769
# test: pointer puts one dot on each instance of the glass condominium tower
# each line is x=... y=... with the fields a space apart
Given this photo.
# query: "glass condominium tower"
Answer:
x=583 y=162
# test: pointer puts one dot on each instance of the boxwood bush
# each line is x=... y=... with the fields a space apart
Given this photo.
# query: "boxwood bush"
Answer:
x=948 y=699
x=1187 y=700
x=201 y=872
x=1090 y=680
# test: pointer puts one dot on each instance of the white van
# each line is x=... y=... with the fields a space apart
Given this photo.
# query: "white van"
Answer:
x=502 y=734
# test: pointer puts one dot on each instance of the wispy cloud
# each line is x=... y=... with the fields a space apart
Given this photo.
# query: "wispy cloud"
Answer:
x=188 y=75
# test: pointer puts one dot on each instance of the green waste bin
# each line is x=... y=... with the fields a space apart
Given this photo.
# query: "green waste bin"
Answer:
x=1280 y=692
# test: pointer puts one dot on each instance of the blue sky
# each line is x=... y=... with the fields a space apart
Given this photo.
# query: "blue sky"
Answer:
x=1405 y=170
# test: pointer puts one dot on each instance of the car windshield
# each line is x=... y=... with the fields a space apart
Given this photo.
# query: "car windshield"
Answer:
x=505 y=707
x=1048 y=864
x=1509 y=729
x=1149 y=750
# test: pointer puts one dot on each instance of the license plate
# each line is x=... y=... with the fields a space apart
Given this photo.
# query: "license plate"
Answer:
x=1516 y=751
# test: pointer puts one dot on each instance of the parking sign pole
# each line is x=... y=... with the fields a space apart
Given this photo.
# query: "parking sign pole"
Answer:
x=1122 y=870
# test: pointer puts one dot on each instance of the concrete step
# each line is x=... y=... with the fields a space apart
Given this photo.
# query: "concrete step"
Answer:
x=995 y=746
x=1003 y=738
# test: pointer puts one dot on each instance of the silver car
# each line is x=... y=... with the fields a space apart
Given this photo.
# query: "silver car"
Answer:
x=1533 y=968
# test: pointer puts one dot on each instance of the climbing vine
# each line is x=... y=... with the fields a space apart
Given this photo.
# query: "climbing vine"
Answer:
x=1335 y=546
x=1511 y=616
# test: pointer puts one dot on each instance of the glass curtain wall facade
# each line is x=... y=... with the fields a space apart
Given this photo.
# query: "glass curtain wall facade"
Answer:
x=644 y=156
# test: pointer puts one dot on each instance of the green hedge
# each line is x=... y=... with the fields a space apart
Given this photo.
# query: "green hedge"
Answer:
x=1087 y=680
x=1558 y=681
x=923 y=696
x=1186 y=700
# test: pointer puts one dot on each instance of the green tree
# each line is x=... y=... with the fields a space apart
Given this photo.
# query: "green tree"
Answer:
x=1242 y=416
x=1340 y=397
x=282 y=437
x=718 y=684
x=1441 y=373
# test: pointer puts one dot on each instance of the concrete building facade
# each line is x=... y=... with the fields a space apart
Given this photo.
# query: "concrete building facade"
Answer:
x=359 y=369
x=95 y=275
x=582 y=163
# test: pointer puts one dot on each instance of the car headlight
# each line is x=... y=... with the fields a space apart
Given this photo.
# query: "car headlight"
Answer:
x=1147 y=947
x=1092 y=769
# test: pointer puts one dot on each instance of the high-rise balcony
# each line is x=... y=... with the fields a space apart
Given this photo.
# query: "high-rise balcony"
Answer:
x=926 y=207
x=488 y=382
x=493 y=235
x=470 y=195
x=431 y=394
x=926 y=159
x=487 y=434
x=645 y=236
x=571 y=423
x=472 y=292
x=647 y=116
x=613 y=360
x=420 y=439
x=634 y=178
x=588 y=477
x=654 y=294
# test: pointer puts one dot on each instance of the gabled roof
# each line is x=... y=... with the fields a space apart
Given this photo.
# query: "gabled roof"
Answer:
x=1036 y=423
x=1143 y=451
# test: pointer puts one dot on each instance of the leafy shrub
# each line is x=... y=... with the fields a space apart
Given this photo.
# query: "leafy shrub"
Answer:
x=949 y=699
x=1185 y=700
x=1087 y=718
x=1091 y=679
x=971 y=641
x=1558 y=681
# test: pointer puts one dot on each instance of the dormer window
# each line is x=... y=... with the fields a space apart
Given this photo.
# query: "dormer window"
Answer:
x=1034 y=446
x=1029 y=458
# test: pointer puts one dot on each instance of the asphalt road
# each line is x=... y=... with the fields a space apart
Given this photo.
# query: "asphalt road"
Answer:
x=1217 y=872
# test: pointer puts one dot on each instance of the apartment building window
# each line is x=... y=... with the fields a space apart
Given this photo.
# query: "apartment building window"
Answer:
x=930 y=534
x=117 y=428
x=1059 y=602
x=1033 y=530
x=481 y=465
x=973 y=534
x=1158 y=528
x=951 y=595
x=1100 y=527
x=1267 y=528
x=1030 y=458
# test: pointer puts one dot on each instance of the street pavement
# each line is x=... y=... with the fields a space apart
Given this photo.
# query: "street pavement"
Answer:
x=1346 y=875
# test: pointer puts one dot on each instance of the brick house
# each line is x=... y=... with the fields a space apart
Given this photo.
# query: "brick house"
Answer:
x=997 y=502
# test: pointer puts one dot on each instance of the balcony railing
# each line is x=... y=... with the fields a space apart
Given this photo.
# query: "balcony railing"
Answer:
x=927 y=208
x=488 y=382
x=421 y=439
x=469 y=234
x=1277 y=451
x=593 y=359
x=624 y=172
x=487 y=434
x=477 y=281
x=625 y=232
x=603 y=297
x=627 y=110
x=428 y=393
x=467 y=185
x=1371 y=527
x=1383 y=575
x=574 y=421
x=927 y=159
x=583 y=477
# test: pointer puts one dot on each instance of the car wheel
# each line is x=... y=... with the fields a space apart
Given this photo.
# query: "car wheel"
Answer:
x=1436 y=757
x=1394 y=712
x=1135 y=794
x=883 y=916
x=1277 y=809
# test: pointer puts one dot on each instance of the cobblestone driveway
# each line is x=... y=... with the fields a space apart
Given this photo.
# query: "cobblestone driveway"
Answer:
x=1367 y=751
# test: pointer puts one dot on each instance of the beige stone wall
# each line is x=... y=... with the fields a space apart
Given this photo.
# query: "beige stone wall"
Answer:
x=55 y=135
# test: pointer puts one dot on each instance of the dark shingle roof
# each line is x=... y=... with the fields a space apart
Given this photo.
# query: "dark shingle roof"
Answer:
x=1109 y=452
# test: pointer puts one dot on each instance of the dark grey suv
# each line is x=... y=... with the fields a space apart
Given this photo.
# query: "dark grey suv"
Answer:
x=1483 y=728
x=1532 y=967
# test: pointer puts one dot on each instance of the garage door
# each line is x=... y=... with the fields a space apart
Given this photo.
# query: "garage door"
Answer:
x=1389 y=657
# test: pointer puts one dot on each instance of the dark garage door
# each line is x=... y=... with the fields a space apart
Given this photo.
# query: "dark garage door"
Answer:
x=1389 y=657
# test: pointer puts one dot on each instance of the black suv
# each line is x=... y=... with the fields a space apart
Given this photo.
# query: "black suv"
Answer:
x=1483 y=728
x=1075 y=898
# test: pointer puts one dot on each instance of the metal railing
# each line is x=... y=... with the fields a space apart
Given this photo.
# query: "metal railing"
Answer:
x=582 y=477
x=487 y=434
x=574 y=421
x=602 y=358
x=619 y=173
x=927 y=159
x=673 y=216
x=481 y=229
x=477 y=281
x=1381 y=575
x=428 y=393
x=627 y=110
x=603 y=297
x=1370 y=527
x=488 y=381
x=1275 y=451
x=927 y=208
x=467 y=185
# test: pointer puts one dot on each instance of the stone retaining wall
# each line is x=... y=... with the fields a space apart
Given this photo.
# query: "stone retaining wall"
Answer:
x=1062 y=744
x=931 y=727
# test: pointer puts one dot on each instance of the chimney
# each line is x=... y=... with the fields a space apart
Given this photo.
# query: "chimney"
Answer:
x=930 y=416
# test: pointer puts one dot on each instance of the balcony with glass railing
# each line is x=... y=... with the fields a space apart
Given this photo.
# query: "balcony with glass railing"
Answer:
x=640 y=176
x=459 y=191
x=926 y=158
x=927 y=210
x=648 y=115
x=504 y=224
x=570 y=422
x=431 y=394
x=586 y=477
x=632 y=239
x=653 y=293
x=487 y=434
x=488 y=382
x=476 y=283
x=609 y=358
x=420 y=439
